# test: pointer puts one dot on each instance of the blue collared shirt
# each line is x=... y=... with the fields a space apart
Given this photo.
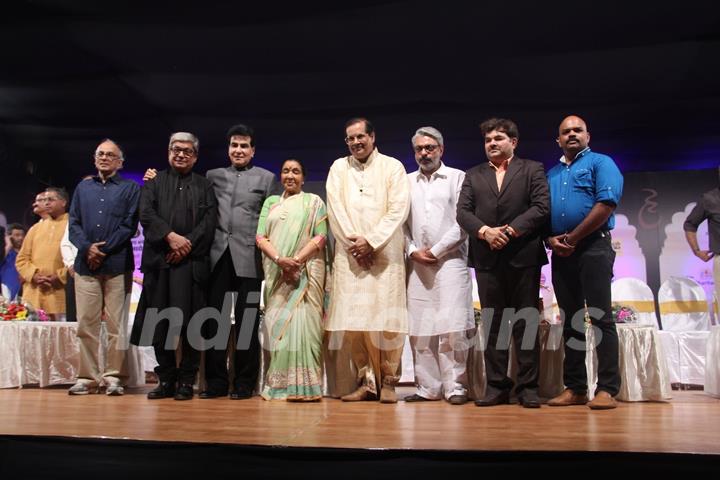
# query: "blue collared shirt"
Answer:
x=576 y=187
x=105 y=212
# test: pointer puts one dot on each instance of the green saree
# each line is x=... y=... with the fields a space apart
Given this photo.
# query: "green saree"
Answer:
x=293 y=311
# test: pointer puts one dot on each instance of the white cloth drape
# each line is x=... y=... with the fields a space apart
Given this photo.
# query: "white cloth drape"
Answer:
x=48 y=353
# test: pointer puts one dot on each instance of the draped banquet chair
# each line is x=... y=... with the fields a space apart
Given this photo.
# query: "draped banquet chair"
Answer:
x=685 y=329
x=635 y=294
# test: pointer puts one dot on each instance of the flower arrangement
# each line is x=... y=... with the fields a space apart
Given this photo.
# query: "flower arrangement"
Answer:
x=623 y=314
x=18 y=310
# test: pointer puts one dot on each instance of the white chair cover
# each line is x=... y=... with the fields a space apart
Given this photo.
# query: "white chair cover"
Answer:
x=671 y=348
x=683 y=305
x=712 y=363
x=693 y=346
x=634 y=293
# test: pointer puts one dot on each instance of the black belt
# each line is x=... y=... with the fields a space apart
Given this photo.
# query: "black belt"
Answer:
x=596 y=234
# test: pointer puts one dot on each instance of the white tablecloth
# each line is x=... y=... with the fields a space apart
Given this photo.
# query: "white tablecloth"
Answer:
x=48 y=353
x=643 y=367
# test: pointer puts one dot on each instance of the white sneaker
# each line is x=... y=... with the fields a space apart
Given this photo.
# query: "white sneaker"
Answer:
x=83 y=387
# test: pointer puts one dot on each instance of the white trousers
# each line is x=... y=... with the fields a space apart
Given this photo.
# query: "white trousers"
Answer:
x=440 y=364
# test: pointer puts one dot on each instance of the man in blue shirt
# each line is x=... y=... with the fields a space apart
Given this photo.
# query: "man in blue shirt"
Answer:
x=585 y=189
x=103 y=219
x=8 y=273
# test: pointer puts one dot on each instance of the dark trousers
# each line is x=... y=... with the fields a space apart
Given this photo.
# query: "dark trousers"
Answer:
x=70 y=311
x=584 y=277
x=175 y=287
x=247 y=316
x=515 y=288
x=167 y=371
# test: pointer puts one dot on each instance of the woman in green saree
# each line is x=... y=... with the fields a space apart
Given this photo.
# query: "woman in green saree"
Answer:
x=292 y=233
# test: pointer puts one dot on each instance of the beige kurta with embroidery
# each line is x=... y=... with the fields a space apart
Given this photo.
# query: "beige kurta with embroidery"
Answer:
x=40 y=253
x=371 y=200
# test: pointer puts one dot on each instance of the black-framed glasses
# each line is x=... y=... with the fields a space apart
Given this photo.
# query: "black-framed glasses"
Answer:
x=427 y=148
x=188 y=152
x=108 y=155
x=360 y=137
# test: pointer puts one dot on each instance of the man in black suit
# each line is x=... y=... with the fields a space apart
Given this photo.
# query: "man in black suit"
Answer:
x=503 y=205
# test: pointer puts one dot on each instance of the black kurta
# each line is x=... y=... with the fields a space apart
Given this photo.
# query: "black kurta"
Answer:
x=186 y=205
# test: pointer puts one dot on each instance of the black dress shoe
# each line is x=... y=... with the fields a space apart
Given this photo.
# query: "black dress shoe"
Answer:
x=163 y=390
x=529 y=399
x=495 y=398
x=210 y=393
x=184 y=392
x=240 y=394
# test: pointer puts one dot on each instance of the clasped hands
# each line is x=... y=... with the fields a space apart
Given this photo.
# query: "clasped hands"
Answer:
x=498 y=237
x=560 y=246
x=290 y=269
x=46 y=281
x=424 y=256
x=180 y=248
x=94 y=256
x=361 y=251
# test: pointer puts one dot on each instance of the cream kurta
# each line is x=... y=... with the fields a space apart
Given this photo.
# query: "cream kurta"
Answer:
x=439 y=295
x=40 y=253
x=371 y=200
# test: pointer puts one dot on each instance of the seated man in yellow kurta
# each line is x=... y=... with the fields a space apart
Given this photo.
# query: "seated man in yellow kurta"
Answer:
x=368 y=198
x=39 y=261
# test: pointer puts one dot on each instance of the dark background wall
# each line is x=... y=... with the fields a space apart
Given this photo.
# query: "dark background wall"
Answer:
x=643 y=74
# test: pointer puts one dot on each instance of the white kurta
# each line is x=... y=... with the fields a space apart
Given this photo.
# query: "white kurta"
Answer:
x=439 y=295
x=371 y=200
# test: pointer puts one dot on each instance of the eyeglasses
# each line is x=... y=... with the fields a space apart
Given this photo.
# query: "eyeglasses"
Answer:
x=427 y=148
x=188 y=152
x=108 y=155
x=360 y=137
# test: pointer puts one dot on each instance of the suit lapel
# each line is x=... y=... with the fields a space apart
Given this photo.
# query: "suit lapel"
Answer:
x=488 y=174
x=512 y=170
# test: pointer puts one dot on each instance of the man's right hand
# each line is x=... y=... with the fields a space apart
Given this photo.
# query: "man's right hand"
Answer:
x=94 y=256
x=150 y=173
x=560 y=248
x=423 y=256
x=496 y=238
x=179 y=244
x=704 y=255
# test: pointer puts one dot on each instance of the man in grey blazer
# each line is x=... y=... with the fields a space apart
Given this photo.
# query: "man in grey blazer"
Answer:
x=241 y=189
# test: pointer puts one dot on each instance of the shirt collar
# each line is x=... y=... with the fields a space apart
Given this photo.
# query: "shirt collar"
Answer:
x=247 y=167
x=580 y=154
x=115 y=178
x=439 y=173
x=357 y=163
x=506 y=162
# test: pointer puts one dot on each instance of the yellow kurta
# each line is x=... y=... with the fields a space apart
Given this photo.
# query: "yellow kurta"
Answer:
x=371 y=200
x=40 y=253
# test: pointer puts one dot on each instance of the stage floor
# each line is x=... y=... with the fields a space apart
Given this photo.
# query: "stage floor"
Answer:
x=690 y=423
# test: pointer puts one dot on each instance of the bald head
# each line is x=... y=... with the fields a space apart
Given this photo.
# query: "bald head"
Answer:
x=573 y=136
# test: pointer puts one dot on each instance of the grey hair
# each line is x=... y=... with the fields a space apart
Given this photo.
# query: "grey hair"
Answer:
x=185 y=137
x=122 y=155
x=431 y=132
